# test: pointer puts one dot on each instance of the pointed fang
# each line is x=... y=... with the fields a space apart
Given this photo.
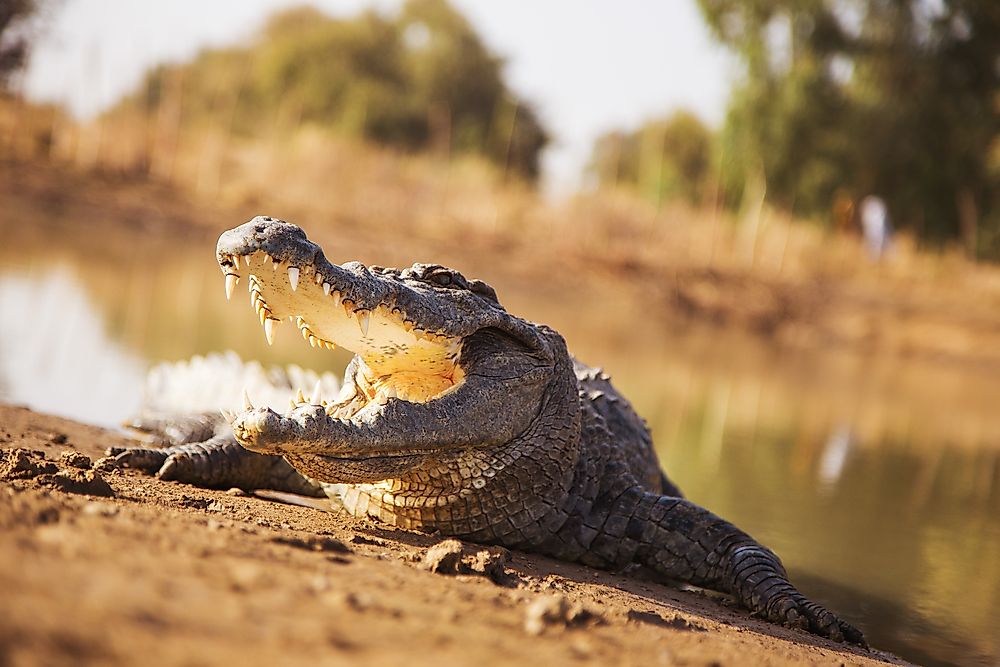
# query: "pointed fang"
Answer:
x=293 y=277
x=317 y=395
x=269 y=330
x=231 y=281
x=363 y=321
x=247 y=405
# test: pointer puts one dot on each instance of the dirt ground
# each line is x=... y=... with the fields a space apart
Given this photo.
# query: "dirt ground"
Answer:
x=132 y=570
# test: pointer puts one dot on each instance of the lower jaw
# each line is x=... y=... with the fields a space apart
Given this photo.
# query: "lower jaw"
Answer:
x=333 y=470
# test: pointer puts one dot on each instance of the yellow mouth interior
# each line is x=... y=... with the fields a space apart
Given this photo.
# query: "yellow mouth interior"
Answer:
x=399 y=360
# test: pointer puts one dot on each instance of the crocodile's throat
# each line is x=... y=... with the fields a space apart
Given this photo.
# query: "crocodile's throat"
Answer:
x=400 y=359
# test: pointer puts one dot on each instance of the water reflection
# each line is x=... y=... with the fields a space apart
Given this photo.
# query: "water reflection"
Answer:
x=879 y=485
x=834 y=455
x=57 y=356
x=868 y=524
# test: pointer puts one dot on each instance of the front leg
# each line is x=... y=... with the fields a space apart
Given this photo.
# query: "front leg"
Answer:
x=219 y=462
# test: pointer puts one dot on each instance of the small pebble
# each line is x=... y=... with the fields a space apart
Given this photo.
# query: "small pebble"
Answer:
x=100 y=509
x=75 y=459
x=443 y=558
x=554 y=610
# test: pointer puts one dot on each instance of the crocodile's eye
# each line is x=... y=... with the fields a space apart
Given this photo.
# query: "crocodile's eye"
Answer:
x=443 y=279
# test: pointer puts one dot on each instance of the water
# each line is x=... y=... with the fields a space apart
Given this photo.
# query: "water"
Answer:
x=877 y=483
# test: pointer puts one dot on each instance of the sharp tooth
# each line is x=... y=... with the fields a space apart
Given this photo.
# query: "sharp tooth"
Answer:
x=319 y=278
x=266 y=258
x=312 y=341
x=247 y=405
x=246 y=258
x=231 y=282
x=269 y=330
x=326 y=289
x=317 y=397
x=293 y=277
x=329 y=345
x=299 y=397
x=292 y=404
x=262 y=314
x=348 y=310
x=274 y=264
x=363 y=321
x=336 y=298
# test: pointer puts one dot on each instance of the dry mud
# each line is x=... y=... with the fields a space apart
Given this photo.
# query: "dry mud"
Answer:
x=106 y=566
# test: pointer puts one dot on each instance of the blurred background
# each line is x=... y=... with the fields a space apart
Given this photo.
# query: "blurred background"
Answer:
x=776 y=224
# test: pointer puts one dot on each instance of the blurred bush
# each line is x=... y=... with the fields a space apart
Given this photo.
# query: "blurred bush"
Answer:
x=665 y=159
x=421 y=80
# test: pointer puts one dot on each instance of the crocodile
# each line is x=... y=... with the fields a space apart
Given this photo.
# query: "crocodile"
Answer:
x=458 y=417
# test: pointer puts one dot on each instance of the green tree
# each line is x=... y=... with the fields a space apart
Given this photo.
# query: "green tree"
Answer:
x=896 y=97
x=419 y=80
x=668 y=158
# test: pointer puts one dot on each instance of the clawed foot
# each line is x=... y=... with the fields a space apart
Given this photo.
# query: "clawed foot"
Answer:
x=794 y=610
x=217 y=463
x=761 y=584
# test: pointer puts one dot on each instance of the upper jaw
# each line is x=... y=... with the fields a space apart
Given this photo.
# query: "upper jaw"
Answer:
x=348 y=306
x=285 y=245
x=289 y=276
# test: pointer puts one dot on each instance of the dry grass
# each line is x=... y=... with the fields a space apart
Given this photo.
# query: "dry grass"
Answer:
x=314 y=175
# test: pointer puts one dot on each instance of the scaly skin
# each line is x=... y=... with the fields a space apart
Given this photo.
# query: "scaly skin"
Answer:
x=480 y=425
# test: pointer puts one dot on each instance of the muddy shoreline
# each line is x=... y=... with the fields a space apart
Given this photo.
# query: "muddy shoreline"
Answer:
x=167 y=574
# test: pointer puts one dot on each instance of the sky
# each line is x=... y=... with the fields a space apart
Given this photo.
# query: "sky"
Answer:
x=588 y=66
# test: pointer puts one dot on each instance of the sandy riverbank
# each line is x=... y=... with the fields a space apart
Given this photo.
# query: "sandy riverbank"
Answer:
x=160 y=573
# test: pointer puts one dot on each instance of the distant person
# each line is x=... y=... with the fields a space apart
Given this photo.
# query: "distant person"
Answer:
x=875 y=225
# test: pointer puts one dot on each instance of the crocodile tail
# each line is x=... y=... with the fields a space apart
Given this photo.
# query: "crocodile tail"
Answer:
x=207 y=384
x=688 y=543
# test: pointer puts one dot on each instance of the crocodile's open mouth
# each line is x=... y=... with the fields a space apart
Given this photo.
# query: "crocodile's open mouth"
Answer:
x=329 y=308
x=439 y=363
